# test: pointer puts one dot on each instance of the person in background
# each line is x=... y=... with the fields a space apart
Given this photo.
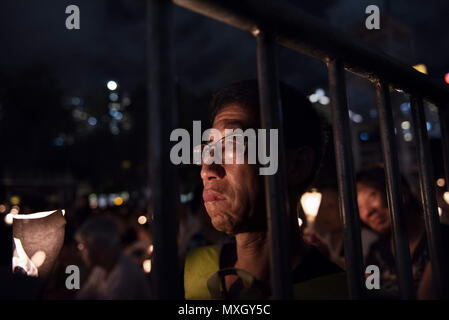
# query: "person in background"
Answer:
x=327 y=233
x=114 y=274
x=374 y=212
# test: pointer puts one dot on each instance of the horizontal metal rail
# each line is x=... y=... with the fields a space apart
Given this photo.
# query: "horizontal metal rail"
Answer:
x=298 y=31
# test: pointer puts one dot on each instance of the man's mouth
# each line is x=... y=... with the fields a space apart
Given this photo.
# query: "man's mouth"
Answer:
x=211 y=196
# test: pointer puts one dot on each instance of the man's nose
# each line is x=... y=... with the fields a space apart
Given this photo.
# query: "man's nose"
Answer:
x=212 y=172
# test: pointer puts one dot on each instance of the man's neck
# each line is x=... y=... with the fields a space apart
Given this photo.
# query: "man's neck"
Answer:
x=253 y=254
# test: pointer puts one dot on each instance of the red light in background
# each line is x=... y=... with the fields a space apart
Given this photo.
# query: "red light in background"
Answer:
x=446 y=78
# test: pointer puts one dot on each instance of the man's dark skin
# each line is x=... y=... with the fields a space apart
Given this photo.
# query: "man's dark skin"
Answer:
x=234 y=199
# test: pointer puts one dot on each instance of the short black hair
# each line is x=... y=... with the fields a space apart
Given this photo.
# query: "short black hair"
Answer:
x=374 y=177
x=302 y=125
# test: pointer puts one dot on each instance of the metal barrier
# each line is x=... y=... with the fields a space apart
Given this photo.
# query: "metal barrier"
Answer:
x=279 y=22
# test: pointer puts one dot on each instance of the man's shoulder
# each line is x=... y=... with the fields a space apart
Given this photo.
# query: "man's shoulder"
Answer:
x=201 y=263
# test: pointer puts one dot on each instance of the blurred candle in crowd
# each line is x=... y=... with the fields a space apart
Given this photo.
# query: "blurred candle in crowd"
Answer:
x=441 y=182
x=37 y=240
x=147 y=266
x=310 y=202
x=446 y=197
x=142 y=220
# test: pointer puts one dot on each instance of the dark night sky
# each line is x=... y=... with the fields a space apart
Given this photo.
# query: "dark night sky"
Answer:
x=111 y=42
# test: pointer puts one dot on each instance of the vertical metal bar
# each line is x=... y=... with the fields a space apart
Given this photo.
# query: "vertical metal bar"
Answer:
x=161 y=113
x=346 y=179
x=275 y=185
x=444 y=126
x=428 y=198
x=392 y=176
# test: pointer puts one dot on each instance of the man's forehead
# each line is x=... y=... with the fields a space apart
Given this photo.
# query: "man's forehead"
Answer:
x=232 y=117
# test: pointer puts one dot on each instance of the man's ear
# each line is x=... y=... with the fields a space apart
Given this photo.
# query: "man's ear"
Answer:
x=299 y=165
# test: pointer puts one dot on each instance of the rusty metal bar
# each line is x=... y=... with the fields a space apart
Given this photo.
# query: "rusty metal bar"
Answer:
x=346 y=180
x=299 y=31
x=161 y=113
x=275 y=185
x=392 y=176
x=428 y=198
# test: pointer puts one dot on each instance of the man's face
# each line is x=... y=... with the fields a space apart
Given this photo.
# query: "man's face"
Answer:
x=232 y=192
x=372 y=209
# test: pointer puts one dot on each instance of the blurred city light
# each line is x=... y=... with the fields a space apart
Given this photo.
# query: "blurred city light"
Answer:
x=405 y=107
x=76 y=101
x=324 y=100
x=421 y=68
x=364 y=136
x=118 y=115
x=408 y=137
x=319 y=96
x=102 y=201
x=15 y=200
x=357 y=118
x=142 y=220
x=405 y=125
x=441 y=182
x=118 y=201
x=59 y=141
x=2 y=208
x=184 y=198
x=299 y=222
x=126 y=164
x=113 y=96
x=115 y=130
x=440 y=211
x=313 y=98
x=93 y=201
x=112 y=85
x=125 y=196
x=92 y=121
x=446 y=78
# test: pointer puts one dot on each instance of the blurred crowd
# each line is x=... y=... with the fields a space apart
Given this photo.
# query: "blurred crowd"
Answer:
x=113 y=246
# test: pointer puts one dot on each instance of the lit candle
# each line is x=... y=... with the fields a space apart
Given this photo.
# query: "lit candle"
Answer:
x=310 y=202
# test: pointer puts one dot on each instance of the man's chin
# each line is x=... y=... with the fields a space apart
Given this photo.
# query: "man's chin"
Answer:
x=223 y=226
x=222 y=223
x=383 y=229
